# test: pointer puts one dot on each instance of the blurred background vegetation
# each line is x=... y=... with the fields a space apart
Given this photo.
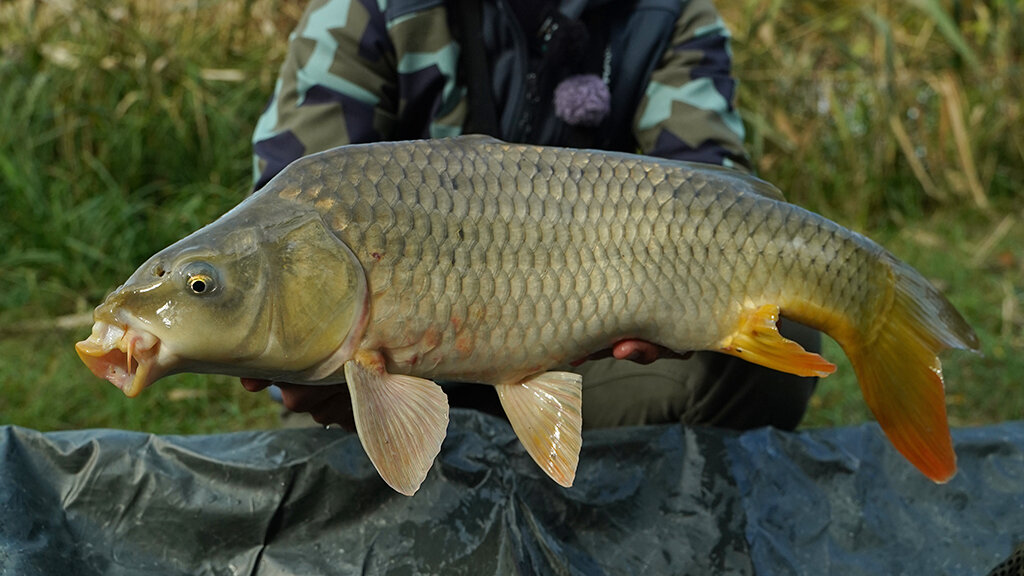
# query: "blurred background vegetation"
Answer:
x=125 y=124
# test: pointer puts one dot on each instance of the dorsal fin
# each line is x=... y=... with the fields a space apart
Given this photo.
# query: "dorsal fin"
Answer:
x=741 y=179
x=744 y=181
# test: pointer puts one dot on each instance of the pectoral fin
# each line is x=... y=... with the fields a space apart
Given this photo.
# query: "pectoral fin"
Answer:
x=545 y=412
x=757 y=340
x=401 y=420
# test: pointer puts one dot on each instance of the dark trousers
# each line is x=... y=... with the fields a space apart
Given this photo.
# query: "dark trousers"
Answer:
x=708 y=388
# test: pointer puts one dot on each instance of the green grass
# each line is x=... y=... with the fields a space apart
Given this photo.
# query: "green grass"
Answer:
x=126 y=125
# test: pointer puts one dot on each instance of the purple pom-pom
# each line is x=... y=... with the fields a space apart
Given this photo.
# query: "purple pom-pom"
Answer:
x=582 y=100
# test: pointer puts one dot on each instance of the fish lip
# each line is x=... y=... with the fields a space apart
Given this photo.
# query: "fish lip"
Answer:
x=126 y=356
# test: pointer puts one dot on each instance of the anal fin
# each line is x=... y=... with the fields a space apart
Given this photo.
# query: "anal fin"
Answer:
x=546 y=414
x=401 y=420
x=757 y=340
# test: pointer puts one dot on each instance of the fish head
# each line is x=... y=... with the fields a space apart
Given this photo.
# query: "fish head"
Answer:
x=246 y=297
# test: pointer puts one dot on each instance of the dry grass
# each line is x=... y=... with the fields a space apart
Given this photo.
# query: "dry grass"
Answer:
x=883 y=109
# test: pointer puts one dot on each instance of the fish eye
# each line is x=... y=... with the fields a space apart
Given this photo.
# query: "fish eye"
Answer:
x=199 y=283
x=200 y=278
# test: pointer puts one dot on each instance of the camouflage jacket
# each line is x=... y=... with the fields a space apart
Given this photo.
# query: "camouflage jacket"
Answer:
x=371 y=70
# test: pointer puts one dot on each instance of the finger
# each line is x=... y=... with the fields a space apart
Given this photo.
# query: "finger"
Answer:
x=335 y=411
x=299 y=398
x=644 y=352
x=255 y=385
x=637 y=351
x=326 y=404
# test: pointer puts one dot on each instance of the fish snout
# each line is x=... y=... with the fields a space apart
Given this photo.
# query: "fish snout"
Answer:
x=124 y=356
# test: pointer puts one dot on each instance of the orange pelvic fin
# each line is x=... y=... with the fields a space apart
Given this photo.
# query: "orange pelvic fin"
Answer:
x=757 y=340
x=901 y=376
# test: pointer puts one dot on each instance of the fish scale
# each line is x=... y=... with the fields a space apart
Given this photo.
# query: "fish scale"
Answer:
x=393 y=265
x=657 y=230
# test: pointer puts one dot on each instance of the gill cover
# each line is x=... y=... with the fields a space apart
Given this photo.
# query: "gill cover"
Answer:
x=317 y=289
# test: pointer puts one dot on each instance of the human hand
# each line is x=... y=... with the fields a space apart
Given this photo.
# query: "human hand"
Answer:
x=639 y=351
x=329 y=404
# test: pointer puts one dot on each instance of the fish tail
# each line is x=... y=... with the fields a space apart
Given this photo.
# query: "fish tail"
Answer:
x=899 y=371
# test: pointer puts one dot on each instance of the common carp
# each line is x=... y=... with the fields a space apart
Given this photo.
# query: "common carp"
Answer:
x=391 y=266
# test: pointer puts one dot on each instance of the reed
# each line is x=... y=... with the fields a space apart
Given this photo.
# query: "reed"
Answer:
x=884 y=109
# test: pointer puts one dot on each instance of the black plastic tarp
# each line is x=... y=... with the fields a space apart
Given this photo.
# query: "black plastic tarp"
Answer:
x=650 y=500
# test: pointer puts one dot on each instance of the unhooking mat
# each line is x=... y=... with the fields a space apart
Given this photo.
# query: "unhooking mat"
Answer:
x=649 y=500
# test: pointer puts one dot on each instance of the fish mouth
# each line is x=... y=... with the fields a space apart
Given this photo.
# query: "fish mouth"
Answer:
x=125 y=356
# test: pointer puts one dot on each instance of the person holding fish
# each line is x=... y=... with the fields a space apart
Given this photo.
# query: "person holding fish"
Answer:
x=645 y=75
x=399 y=251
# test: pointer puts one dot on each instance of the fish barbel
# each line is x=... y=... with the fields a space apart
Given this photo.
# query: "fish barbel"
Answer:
x=390 y=266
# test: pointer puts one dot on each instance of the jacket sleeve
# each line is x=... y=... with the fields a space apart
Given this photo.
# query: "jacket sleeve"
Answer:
x=337 y=86
x=687 y=111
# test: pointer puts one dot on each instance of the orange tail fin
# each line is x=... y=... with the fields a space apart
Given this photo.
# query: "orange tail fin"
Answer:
x=900 y=374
